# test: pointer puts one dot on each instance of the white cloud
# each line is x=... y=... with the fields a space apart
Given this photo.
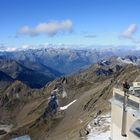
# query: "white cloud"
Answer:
x=3 y=48
x=130 y=31
x=50 y=28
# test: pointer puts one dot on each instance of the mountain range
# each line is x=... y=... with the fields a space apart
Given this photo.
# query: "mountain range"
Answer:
x=90 y=88
x=64 y=60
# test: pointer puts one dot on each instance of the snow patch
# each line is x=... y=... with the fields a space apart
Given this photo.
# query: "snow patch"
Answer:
x=6 y=128
x=65 y=107
x=25 y=137
x=64 y=94
x=99 y=128
x=125 y=61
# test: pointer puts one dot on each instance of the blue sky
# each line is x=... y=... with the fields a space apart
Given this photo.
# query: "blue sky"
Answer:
x=89 y=22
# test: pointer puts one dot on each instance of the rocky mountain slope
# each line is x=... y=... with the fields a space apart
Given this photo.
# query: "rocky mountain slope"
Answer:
x=90 y=90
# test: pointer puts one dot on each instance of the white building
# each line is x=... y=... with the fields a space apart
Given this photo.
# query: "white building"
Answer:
x=125 y=125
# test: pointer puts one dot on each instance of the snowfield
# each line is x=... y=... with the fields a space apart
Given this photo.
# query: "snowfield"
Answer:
x=99 y=128
x=65 y=107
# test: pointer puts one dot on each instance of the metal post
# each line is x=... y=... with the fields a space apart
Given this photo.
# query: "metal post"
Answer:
x=124 y=117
